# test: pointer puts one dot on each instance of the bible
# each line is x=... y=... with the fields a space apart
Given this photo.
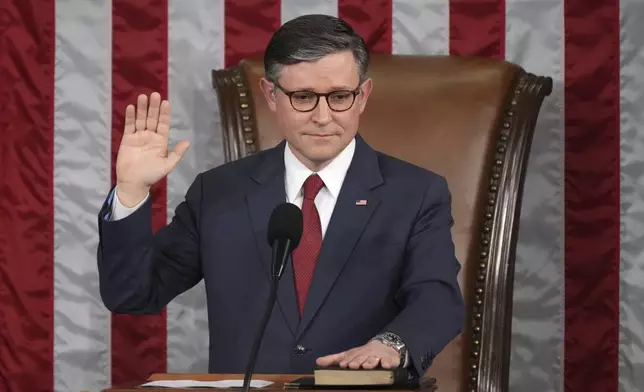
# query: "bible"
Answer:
x=345 y=378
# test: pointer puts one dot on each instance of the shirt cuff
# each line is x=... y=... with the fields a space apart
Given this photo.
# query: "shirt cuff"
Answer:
x=119 y=211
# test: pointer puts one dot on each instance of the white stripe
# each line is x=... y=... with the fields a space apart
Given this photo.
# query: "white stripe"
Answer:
x=631 y=306
x=82 y=145
x=420 y=27
x=291 y=9
x=195 y=47
x=534 y=40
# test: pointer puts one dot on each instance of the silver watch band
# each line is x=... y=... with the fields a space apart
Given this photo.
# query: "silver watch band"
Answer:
x=394 y=341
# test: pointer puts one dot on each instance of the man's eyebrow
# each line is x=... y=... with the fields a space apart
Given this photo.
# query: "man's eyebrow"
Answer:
x=342 y=87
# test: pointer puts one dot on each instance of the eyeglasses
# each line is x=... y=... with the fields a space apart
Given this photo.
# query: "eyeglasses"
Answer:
x=306 y=101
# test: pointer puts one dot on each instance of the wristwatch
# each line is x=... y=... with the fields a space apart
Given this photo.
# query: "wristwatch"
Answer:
x=394 y=341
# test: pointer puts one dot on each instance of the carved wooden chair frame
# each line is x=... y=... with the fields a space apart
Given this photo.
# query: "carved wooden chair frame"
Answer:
x=489 y=327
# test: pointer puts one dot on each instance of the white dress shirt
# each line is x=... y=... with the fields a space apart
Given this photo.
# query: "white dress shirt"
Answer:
x=332 y=175
x=296 y=173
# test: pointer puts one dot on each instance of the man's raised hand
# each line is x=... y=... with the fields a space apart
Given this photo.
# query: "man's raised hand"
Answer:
x=143 y=157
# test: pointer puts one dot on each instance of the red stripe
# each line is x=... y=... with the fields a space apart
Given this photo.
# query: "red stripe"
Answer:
x=139 y=61
x=477 y=28
x=249 y=26
x=372 y=19
x=592 y=210
x=27 y=45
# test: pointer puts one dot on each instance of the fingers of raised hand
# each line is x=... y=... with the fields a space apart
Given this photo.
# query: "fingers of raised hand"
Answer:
x=150 y=114
x=129 y=119
x=141 y=112
x=153 y=111
x=163 y=126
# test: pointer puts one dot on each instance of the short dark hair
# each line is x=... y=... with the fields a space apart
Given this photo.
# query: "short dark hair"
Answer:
x=311 y=37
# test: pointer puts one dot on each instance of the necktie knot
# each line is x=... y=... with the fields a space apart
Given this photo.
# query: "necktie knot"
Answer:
x=312 y=186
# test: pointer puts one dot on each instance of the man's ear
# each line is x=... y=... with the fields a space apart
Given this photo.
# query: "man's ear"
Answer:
x=268 y=88
x=365 y=89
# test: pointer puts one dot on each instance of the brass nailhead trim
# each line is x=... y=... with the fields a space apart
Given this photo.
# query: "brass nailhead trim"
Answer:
x=246 y=118
x=501 y=148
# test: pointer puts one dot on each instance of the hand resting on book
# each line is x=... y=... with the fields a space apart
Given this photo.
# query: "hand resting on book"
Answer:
x=369 y=356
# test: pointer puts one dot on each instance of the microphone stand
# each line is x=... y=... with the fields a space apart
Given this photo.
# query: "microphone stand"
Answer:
x=277 y=270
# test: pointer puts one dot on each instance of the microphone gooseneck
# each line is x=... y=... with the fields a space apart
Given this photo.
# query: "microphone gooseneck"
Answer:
x=258 y=339
x=283 y=235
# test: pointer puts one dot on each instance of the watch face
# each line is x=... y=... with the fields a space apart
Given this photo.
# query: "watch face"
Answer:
x=393 y=341
x=393 y=338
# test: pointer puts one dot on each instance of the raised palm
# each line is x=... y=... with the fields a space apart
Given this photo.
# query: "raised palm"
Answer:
x=143 y=158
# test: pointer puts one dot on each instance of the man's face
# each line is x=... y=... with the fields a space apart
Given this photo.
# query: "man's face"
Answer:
x=319 y=135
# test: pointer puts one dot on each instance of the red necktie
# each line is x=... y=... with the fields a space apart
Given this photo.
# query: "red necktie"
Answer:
x=306 y=254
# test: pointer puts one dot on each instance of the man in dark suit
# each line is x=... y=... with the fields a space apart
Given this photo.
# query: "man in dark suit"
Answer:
x=374 y=279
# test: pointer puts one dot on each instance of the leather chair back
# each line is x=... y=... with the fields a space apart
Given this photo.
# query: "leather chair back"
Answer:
x=468 y=119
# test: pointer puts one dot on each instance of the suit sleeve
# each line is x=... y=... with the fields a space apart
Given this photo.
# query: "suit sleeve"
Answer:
x=432 y=307
x=119 y=211
x=140 y=272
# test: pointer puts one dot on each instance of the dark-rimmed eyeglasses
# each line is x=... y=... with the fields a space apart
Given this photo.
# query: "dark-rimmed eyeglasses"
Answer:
x=306 y=101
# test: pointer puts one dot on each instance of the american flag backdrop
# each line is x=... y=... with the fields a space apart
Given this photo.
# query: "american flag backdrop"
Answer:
x=68 y=68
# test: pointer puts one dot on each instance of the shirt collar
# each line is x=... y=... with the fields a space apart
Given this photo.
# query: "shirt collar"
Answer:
x=332 y=174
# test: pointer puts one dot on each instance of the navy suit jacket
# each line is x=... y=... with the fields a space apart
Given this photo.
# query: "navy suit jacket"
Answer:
x=388 y=265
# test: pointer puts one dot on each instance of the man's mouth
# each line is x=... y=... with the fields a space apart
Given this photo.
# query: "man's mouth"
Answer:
x=320 y=134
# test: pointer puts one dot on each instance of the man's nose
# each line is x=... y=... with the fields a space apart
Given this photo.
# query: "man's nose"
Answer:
x=322 y=113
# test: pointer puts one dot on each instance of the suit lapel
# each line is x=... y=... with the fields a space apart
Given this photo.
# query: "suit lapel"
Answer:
x=268 y=192
x=345 y=228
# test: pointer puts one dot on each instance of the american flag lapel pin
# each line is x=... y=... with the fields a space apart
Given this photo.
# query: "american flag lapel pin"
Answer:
x=361 y=202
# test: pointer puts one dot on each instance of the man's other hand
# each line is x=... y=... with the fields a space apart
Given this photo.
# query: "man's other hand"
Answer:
x=368 y=356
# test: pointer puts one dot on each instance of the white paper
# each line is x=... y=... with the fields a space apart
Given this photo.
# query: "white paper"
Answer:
x=205 y=384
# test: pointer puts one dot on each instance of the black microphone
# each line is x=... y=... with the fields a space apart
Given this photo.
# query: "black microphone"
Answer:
x=283 y=235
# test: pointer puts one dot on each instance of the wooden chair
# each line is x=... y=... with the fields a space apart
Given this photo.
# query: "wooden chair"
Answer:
x=468 y=119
